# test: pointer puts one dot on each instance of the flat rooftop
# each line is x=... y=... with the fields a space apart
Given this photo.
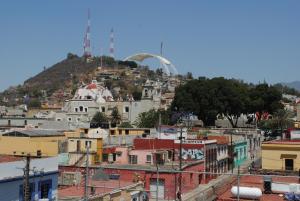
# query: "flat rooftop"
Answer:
x=295 y=142
x=224 y=194
x=101 y=187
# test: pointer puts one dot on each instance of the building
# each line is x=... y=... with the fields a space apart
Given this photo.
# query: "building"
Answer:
x=35 y=142
x=240 y=152
x=281 y=155
x=128 y=131
x=43 y=178
x=93 y=97
x=77 y=150
x=222 y=152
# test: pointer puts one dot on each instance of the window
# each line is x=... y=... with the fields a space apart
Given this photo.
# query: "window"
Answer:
x=25 y=122
x=58 y=119
x=102 y=109
x=78 y=145
x=289 y=164
x=85 y=109
x=133 y=159
x=45 y=189
x=76 y=109
x=88 y=144
x=126 y=132
x=120 y=132
x=126 y=109
x=148 y=159
x=112 y=132
x=70 y=119
x=81 y=108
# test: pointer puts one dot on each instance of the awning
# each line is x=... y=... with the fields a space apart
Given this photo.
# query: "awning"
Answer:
x=291 y=156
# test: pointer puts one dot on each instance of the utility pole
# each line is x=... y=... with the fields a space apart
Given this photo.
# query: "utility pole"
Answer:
x=86 y=181
x=157 y=172
x=180 y=164
x=238 y=184
x=231 y=153
x=26 y=186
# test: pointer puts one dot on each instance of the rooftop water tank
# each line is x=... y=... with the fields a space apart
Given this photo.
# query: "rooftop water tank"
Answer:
x=246 y=192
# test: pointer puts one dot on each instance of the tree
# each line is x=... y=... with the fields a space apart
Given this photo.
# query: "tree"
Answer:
x=115 y=116
x=125 y=125
x=264 y=99
x=34 y=103
x=150 y=119
x=209 y=97
x=99 y=117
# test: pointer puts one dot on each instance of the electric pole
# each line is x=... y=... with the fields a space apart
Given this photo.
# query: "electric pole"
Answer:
x=26 y=186
x=180 y=164
x=86 y=181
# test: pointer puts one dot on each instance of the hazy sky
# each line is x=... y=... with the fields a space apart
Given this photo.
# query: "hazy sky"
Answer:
x=251 y=40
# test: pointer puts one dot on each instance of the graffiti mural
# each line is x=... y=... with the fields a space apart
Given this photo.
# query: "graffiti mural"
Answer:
x=195 y=154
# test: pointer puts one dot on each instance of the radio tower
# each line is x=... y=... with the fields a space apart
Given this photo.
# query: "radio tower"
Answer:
x=111 y=47
x=87 y=41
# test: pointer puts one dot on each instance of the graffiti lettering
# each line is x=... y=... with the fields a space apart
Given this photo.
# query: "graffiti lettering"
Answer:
x=196 y=154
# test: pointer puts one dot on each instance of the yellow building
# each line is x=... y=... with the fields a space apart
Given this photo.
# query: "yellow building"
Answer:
x=77 y=149
x=33 y=142
x=128 y=131
x=281 y=155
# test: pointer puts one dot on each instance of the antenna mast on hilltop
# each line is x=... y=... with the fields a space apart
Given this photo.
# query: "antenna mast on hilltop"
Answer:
x=111 y=47
x=87 y=40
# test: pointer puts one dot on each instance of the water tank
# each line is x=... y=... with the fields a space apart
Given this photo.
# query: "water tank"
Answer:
x=246 y=192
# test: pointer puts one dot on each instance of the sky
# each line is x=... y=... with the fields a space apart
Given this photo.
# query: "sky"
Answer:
x=253 y=40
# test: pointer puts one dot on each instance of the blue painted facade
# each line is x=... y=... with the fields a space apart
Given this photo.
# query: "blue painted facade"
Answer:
x=42 y=186
x=241 y=152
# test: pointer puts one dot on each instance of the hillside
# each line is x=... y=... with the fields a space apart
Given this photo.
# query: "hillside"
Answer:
x=60 y=81
x=295 y=85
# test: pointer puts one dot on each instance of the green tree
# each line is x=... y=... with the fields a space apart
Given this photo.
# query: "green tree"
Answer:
x=125 y=125
x=150 y=119
x=209 y=97
x=34 y=103
x=99 y=117
x=265 y=98
x=115 y=116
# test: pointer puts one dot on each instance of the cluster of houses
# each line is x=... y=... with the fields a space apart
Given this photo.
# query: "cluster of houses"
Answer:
x=69 y=160
x=141 y=163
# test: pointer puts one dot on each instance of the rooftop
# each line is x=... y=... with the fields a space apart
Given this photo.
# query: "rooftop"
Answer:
x=101 y=187
x=34 y=133
x=166 y=167
x=8 y=158
x=296 y=142
x=224 y=194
